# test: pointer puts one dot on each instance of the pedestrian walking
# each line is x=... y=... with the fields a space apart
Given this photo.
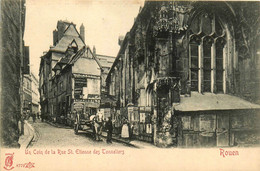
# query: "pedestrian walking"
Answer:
x=117 y=124
x=131 y=131
x=38 y=116
x=22 y=122
x=93 y=120
x=125 y=130
x=42 y=116
x=109 y=128
x=34 y=117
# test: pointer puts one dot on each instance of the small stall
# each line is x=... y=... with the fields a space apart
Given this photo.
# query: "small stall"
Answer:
x=140 y=122
x=145 y=125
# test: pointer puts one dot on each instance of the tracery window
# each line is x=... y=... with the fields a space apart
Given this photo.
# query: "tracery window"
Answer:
x=207 y=44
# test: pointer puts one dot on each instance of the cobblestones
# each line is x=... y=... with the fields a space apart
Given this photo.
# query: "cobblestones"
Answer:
x=50 y=136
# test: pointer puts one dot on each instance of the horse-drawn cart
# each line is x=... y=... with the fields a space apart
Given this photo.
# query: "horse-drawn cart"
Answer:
x=82 y=122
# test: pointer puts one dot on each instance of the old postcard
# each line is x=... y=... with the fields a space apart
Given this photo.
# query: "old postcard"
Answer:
x=130 y=85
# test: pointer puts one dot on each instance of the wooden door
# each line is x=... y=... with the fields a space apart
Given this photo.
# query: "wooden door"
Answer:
x=222 y=130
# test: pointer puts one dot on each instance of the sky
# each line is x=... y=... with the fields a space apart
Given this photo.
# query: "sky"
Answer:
x=104 y=21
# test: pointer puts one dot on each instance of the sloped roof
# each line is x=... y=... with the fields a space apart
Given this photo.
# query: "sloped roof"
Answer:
x=83 y=52
x=63 y=60
x=56 y=56
x=65 y=41
x=88 y=65
x=70 y=34
x=106 y=61
x=210 y=101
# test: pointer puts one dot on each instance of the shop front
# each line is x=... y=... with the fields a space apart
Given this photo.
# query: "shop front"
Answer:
x=140 y=122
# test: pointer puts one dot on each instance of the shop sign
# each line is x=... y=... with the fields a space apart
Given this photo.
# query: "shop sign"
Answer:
x=92 y=104
x=78 y=105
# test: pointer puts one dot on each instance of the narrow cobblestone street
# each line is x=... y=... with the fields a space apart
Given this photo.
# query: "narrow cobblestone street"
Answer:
x=50 y=136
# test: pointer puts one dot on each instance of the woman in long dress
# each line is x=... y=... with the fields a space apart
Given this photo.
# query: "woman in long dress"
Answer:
x=125 y=130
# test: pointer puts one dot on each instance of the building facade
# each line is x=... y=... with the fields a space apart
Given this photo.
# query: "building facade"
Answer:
x=71 y=76
x=26 y=83
x=76 y=84
x=63 y=36
x=35 y=94
x=27 y=94
x=12 y=67
x=187 y=74
x=106 y=62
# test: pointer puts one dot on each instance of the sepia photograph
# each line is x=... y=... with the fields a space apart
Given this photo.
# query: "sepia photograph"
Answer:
x=118 y=80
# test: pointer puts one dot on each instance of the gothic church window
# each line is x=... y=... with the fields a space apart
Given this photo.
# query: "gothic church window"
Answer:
x=207 y=41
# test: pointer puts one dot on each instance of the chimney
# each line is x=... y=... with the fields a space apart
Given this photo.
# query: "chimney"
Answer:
x=82 y=32
x=61 y=29
x=120 y=40
x=55 y=37
x=94 y=50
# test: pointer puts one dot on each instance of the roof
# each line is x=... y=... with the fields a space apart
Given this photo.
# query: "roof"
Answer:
x=210 y=101
x=106 y=61
x=65 y=41
x=85 y=52
x=56 y=56
x=85 y=57
x=70 y=34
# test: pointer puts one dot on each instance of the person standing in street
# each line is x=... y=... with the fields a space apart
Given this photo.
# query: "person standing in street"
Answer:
x=125 y=130
x=109 y=128
x=42 y=116
x=131 y=130
x=34 y=117
x=93 y=120
x=98 y=125
x=117 y=124
x=23 y=117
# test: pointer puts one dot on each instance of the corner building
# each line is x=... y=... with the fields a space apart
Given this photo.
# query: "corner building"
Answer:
x=71 y=76
x=188 y=74
x=64 y=35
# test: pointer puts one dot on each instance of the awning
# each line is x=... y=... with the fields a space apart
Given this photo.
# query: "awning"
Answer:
x=210 y=101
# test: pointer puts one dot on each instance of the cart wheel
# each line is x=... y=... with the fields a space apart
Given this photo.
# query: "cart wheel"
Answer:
x=76 y=127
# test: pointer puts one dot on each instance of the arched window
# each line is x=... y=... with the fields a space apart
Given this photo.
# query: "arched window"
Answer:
x=206 y=63
x=194 y=62
x=206 y=53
